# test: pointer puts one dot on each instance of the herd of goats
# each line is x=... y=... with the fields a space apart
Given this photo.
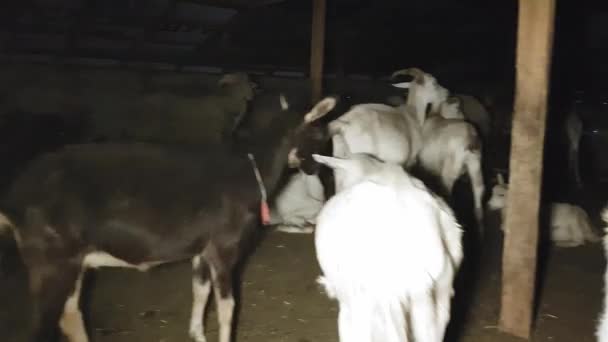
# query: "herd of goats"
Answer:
x=141 y=204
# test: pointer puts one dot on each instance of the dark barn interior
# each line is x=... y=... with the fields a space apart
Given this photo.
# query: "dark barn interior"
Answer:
x=83 y=71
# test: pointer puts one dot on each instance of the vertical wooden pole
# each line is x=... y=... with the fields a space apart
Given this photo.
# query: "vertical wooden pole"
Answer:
x=534 y=46
x=317 y=49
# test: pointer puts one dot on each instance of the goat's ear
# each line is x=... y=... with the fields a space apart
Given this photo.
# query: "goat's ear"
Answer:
x=320 y=109
x=500 y=179
x=333 y=162
x=283 y=102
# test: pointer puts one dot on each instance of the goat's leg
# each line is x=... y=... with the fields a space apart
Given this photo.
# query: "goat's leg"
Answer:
x=574 y=164
x=201 y=287
x=221 y=262
x=450 y=171
x=71 y=322
x=577 y=170
x=348 y=330
x=443 y=299
x=55 y=290
x=473 y=166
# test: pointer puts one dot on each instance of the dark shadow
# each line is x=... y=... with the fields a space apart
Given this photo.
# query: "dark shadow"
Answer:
x=466 y=283
x=15 y=302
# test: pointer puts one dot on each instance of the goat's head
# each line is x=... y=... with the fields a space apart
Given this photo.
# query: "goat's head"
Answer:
x=423 y=90
x=240 y=90
x=310 y=137
x=353 y=168
x=451 y=108
x=239 y=84
x=498 y=200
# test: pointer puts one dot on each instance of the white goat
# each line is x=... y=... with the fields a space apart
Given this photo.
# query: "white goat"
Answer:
x=570 y=225
x=426 y=90
x=297 y=205
x=451 y=146
x=602 y=327
x=425 y=93
x=392 y=134
x=397 y=134
x=389 y=250
x=574 y=132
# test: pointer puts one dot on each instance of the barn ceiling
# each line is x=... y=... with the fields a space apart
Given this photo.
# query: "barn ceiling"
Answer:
x=276 y=33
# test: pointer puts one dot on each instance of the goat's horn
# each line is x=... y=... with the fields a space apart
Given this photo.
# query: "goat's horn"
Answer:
x=414 y=72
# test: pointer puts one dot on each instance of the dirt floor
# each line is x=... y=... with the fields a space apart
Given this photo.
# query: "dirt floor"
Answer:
x=281 y=301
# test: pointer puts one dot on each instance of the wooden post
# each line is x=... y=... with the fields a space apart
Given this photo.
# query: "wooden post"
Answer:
x=317 y=49
x=534 y=45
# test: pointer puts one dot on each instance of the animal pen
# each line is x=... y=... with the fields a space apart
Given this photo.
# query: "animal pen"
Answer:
x=280 y=300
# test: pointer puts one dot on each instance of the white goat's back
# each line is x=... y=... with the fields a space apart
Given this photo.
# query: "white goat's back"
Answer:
x=384 y=245
x=446 y=137
x=298 y=203
x=389 y=133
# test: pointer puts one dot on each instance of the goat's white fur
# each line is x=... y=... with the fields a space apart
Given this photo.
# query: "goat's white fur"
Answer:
x=424 y=90
x=428 y=91
x=450 y=145
x=297 y=205
x=570 y=225
x=450 y=148
x=602 y=327
x=391 y=134
x=387 y=247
